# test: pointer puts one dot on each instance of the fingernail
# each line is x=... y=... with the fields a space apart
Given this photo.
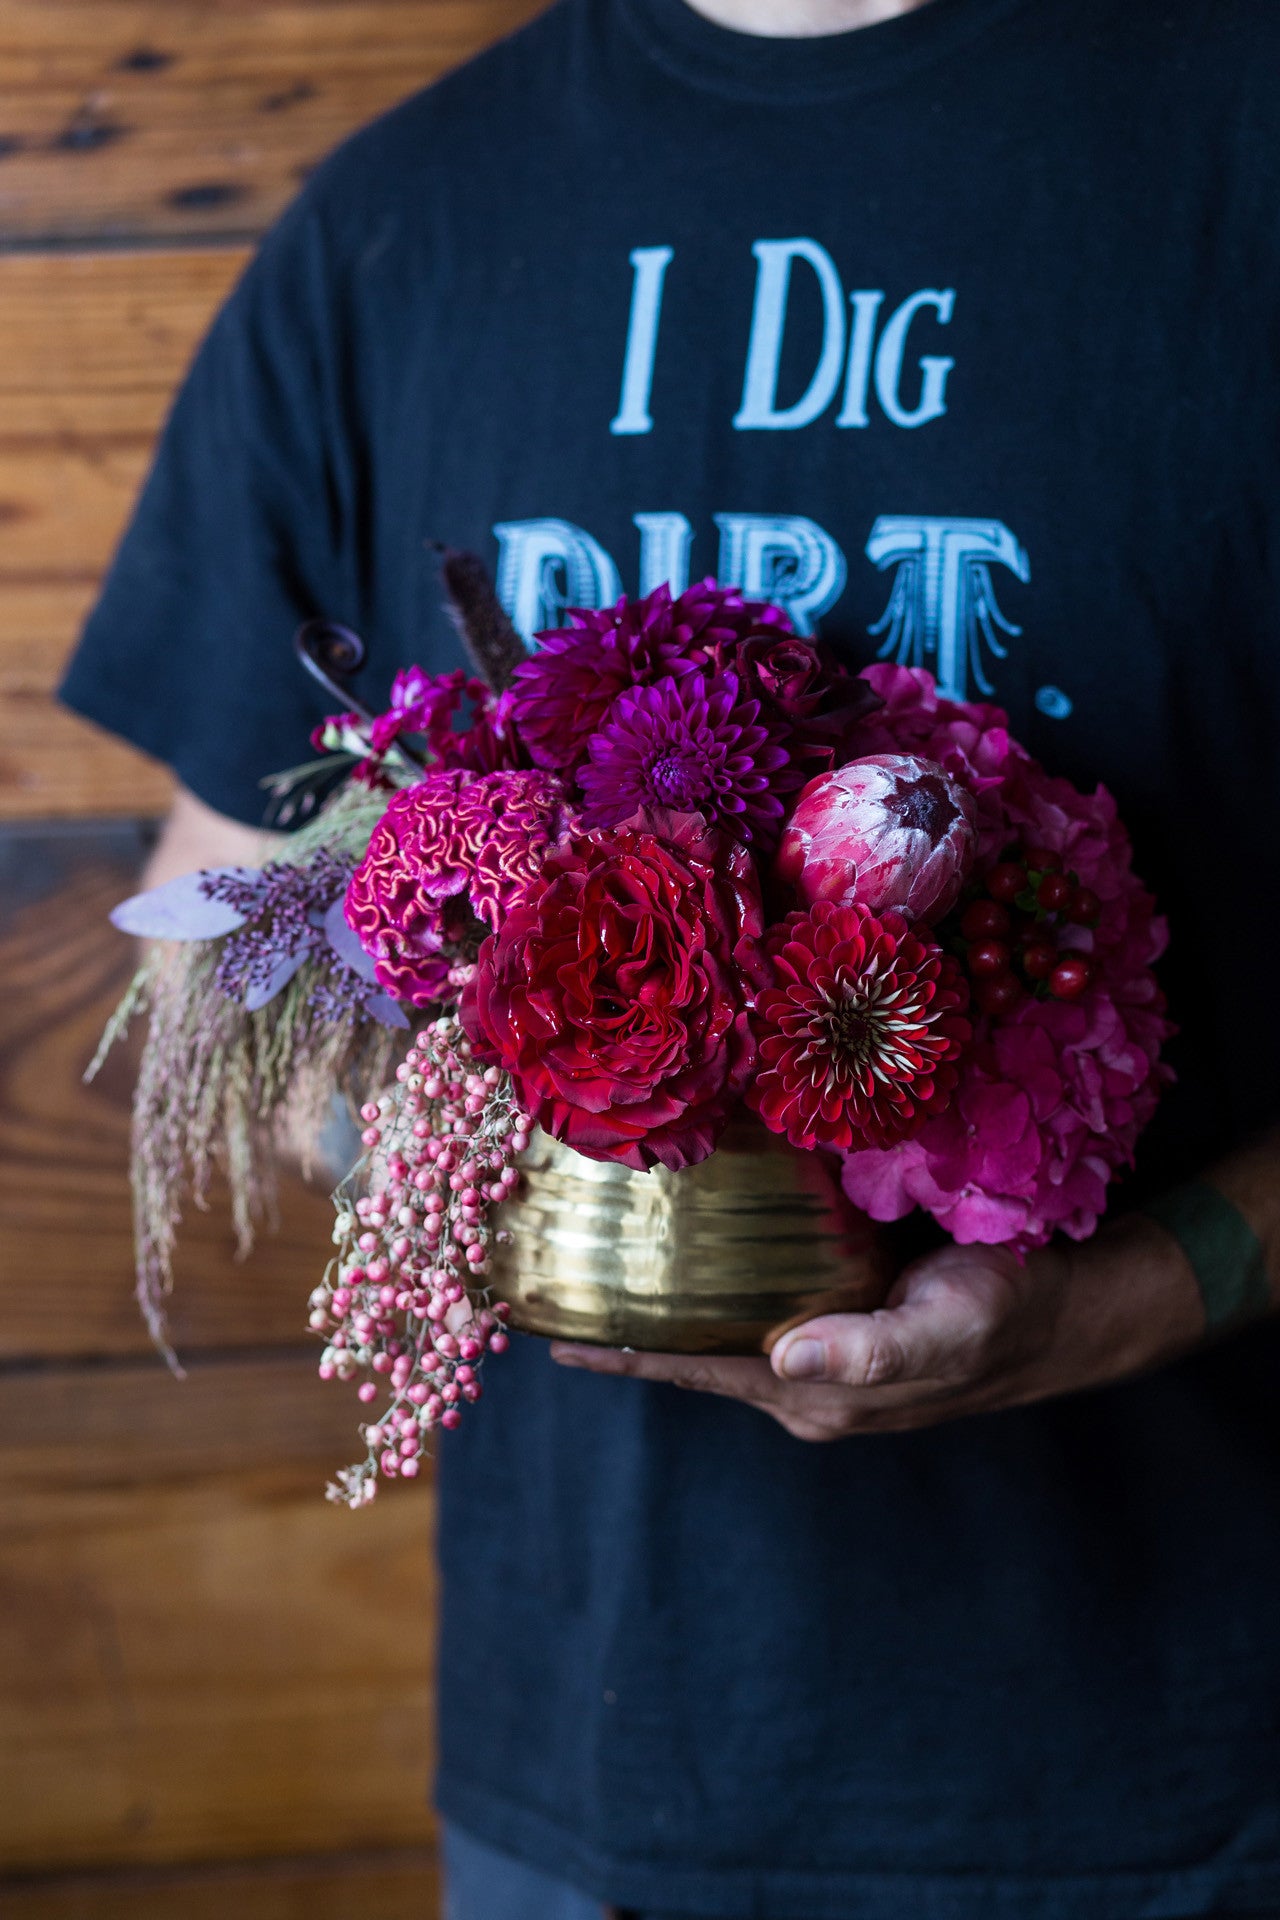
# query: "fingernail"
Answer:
x=568 y=1356
x=804 y=1360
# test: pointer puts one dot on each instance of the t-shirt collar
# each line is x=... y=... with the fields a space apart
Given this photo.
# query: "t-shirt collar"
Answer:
x=827 y=66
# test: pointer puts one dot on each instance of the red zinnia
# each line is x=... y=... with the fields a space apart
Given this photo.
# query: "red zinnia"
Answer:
x=860 y=1031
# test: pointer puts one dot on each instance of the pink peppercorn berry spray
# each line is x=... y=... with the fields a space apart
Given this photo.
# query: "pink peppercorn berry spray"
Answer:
x=404 y=1301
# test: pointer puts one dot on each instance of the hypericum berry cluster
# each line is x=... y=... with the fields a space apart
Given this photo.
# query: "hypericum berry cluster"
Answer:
x=405 y=1299
x=1011 y=932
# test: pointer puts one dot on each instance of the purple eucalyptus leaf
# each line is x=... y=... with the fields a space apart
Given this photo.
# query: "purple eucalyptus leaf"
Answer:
x=180 y=909
x=278 y=978
x=346 y=944
x=386 y=1011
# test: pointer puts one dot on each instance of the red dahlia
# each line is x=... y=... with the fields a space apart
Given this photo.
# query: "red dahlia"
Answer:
x=859 y=1032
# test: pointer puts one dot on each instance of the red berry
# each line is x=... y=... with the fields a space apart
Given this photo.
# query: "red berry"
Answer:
x=984 y=920
x=1054 y=892
x=1041 y=860
x=1006 y=880
x=1085 y=907
x=998 y=993
x=989 y=957
x=1070 y=977
x=1039 y=959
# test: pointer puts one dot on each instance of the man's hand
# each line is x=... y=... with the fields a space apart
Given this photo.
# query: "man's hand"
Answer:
x=966 y=1330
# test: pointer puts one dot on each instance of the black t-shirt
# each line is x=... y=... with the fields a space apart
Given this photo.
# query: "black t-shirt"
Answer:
x=957 y=334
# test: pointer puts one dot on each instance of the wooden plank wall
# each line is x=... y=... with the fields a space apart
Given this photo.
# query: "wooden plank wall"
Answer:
x=214 y=1688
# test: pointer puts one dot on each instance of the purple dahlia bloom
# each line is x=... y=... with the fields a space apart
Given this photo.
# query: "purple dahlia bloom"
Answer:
x=559 y=696
x=688 y=743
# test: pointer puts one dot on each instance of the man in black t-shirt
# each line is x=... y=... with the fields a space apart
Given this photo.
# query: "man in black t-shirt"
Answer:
x=958 y=333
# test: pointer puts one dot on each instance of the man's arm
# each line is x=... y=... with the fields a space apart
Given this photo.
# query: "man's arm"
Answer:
x=194 y=836
x=968 y=1330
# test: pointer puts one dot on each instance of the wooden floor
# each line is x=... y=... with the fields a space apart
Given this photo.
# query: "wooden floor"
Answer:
x=215 y=1688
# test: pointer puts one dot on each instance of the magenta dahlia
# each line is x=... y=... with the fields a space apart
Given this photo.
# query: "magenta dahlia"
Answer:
x=859 y=1031
x=690 y=744
x=561 y=694
x=447 y=860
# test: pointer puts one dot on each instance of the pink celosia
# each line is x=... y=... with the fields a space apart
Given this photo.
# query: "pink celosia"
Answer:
x=447 y=860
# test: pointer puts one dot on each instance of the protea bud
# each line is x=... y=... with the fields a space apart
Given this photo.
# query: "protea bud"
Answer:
x=887 y=831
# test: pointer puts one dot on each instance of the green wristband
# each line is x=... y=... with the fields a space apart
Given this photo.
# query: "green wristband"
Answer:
x=1224 y=1251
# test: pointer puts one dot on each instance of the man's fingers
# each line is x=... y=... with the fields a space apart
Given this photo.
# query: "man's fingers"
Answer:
x=937 y=1333
x=743 y=1379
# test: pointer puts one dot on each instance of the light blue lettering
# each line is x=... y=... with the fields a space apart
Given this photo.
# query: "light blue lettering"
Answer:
x=759 y=407
x=665 y=540
x=650 y=266
x=545 y=566
x=943 y=605
x=892 y=350
x=784 y=558
x=857 y=383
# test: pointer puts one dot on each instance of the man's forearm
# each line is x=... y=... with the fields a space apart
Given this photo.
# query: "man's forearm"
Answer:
x=1227 y=1229
x=195 y=836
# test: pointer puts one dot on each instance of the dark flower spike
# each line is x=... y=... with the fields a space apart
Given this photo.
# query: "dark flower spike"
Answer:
x=494 y=646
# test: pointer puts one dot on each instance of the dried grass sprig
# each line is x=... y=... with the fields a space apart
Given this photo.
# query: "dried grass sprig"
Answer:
x=224 y=1090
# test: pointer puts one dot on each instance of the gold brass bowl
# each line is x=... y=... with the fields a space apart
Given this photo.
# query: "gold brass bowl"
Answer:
x=720 y=1258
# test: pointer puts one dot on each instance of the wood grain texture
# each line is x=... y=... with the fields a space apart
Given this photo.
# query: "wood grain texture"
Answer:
x=202 y=1662
x=88 y=323
x=394 y=1886
x=90 y=350
x=64 y=1193
x=70 y=470
x=125 y=118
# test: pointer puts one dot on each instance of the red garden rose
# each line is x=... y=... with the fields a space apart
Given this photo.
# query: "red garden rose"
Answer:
x=615 y=992
x=811 y=703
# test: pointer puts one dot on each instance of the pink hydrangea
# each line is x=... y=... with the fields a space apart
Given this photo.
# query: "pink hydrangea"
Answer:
x=1054 y=1094
x=447 y=860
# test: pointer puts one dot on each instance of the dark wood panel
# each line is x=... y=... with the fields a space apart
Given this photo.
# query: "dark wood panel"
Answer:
x=399 y=1886
x=159 y=118
x=87 y=324
x=56 y=765
x=77 y=1429
x=66 y=1256
x=70 y=470
x=90 y=349
x=203 y=1661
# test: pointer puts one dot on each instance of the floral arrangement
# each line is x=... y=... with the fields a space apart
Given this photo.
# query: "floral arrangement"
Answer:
x=677 y=860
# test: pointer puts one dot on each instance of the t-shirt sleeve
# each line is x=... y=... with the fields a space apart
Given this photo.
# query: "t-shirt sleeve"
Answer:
x=241 y=533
